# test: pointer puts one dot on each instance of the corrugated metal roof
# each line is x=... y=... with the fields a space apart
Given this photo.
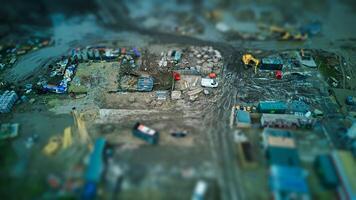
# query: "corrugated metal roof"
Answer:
x=272 y=105
x=288 y=179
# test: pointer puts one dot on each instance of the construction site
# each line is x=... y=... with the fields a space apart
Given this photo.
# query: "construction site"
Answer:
x=205 y=100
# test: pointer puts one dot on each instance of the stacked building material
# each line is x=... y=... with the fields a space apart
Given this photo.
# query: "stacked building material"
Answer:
x=7 y=101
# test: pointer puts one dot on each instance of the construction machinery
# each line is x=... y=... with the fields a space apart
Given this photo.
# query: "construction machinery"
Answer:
x=53 y=145
x=82 y=129
x=286 y=34
x=249 y=60
x=66 y=140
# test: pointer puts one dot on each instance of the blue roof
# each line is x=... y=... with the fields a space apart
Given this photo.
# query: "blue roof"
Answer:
x=283 y=156
x=272 y=105
x=288 y=179
x=95 y=166
x=243 y=116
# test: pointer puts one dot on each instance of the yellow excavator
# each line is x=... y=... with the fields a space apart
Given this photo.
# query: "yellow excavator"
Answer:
x=65 y=141
x=287 y=35
x=249 y=60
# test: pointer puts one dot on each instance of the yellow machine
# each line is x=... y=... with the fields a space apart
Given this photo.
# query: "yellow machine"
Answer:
x=65 y=141
x=84 y=136
x=67 y=138
x=248 y=59
x=52 y=146
x=287 y=34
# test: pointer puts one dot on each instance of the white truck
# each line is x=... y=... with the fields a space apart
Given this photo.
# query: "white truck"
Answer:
x=200 y=190
x=208 y=82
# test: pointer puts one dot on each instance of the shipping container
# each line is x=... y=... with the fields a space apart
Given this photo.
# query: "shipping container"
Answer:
x=149 y=135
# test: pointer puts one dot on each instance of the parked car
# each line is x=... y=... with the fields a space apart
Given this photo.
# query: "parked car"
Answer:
x=208 y=82
x=179 y=134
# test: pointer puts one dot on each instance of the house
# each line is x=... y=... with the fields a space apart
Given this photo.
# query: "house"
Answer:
x=243 y=119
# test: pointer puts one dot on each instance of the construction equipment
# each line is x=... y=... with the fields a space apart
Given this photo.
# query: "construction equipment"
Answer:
x=65 y=141
x=82 y=130
x=67 y=138
x=249 y=60
x=286 y=34
x=52 y=146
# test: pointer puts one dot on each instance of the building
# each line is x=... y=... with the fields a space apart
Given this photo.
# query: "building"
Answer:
x=298 y=107
x=345 y=165
x=271 y=63
x=7 y=101
x=272 y=107
x=325 y=168
x=243 y=119
x=283 y=156
x=288 y=183
x=286 y=121
x=277 y=138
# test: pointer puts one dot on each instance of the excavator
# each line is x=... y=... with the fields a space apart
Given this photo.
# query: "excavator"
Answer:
x=249 y=60
x=65 y=141
x=288 y=35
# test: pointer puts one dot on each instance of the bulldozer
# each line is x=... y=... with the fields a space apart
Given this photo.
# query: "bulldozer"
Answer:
x=249 y=60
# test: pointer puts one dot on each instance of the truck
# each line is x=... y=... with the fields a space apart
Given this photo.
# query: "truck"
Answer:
x=147 y=134
x=208 y=82
x=200 y=190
